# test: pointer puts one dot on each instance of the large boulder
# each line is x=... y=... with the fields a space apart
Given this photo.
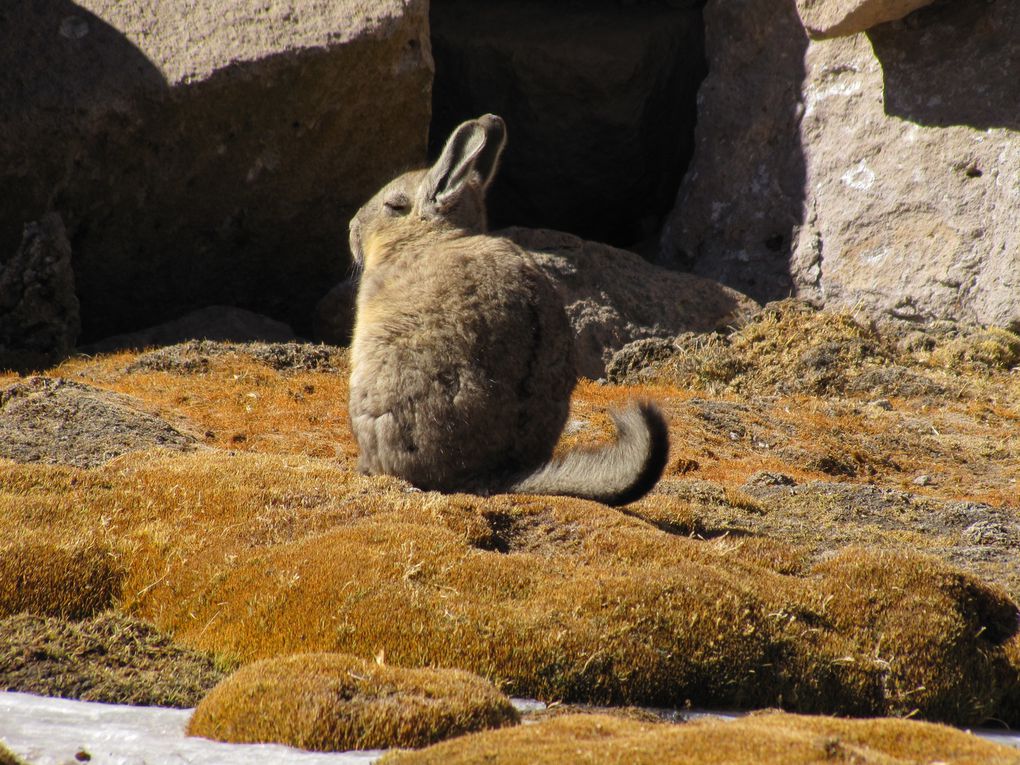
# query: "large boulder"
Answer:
x=205 y=153
x=39 y=320
x=833 y=18
x=878 y=171
x=599 y=99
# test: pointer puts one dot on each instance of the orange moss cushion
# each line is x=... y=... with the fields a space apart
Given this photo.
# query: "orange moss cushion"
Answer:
x=766 y=739
x=333 y=702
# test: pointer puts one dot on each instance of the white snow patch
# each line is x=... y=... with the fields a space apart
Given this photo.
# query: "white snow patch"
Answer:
x=47 y=731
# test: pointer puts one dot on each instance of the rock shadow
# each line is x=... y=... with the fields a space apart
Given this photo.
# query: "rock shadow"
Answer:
x=57 y=61
x=599 y=101
x=955 y=63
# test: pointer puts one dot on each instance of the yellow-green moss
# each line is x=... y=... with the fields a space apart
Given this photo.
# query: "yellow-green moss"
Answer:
x=765 y=739
x=332 y=702
x=273 y=545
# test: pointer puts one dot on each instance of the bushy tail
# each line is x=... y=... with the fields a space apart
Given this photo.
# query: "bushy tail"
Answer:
x=615 y=474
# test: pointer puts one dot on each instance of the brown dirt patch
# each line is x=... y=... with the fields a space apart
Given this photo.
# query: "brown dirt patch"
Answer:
x=59 y=421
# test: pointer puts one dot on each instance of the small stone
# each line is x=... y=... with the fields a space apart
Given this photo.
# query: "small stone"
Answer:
x=922 y=480
x=882 y=403
x=768 y=478
x=74 y=28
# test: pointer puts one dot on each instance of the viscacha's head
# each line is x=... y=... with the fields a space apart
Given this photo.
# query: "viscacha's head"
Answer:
x=451 y=193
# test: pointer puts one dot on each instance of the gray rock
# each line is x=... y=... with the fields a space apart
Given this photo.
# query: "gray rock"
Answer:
x=614 y=297
x=206 y=153
x=216 y=322
x=742 y=198
x=875 y=171
x=834 y=18
x=39 y=320
x=599 y=100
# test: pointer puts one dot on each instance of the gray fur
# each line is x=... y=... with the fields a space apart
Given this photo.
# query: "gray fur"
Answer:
x=462 y=357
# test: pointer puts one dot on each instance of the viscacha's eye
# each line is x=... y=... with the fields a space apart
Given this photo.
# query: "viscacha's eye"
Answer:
x=398 y=204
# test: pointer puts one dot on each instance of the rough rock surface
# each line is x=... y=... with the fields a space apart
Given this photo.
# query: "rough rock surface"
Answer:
x=599 y=100
x=205 y=153
x=878 y=171
x=216 y=322
x=53 y=420
x=834 y=18
x=742 y=196
x=614 y=297
x=39 y=320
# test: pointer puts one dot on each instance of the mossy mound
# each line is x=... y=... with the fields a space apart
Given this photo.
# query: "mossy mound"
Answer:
x=73 y=579
x=764 y=739
x=109 y=657
x=332 y=702
x=790 y=347
x=557 y=599
x=272 y=544
x=991 y=348
x=195 y=356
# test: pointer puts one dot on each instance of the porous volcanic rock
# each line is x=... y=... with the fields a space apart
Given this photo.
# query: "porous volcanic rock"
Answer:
x=599 y=101
x=206 y=153
x=39 y=320
x=614 y=297
x=743 y=193
x=878 y=171
x=834 y=18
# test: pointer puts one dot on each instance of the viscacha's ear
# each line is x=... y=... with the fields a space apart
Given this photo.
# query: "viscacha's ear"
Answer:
x=452 y=174
x=495 y=141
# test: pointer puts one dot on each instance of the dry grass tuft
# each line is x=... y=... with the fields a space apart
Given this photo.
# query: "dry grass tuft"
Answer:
x=764 y=739
x=332 y=702
x=73 y=579
x=109 y=658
